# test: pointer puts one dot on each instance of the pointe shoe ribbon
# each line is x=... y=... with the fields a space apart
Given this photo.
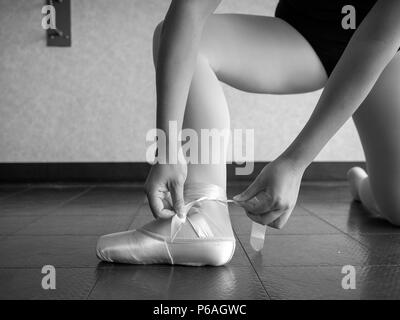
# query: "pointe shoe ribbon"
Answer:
x=177 y=222
x=258 y=231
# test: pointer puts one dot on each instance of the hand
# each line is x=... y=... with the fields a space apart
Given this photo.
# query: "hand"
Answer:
x=270 y=199
x=164 y=189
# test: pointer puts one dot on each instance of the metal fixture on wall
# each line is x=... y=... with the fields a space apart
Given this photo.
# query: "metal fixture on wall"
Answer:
x=61 y=35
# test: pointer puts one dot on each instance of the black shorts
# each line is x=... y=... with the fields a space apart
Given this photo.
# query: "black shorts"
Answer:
x=320 y=23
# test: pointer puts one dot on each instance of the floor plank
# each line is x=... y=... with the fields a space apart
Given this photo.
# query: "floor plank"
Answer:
x=26 y=284
x=37 y=251
x=7 y=191
x=178 y=282
x=372 y=282
x=59 y=225
x=39 y=201
x=308 y=250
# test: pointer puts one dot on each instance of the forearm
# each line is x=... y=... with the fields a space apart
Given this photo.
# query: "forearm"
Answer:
x=350 y=84
x=363 y=61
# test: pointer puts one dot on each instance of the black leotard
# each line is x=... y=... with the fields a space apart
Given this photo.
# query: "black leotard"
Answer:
x=320 y=23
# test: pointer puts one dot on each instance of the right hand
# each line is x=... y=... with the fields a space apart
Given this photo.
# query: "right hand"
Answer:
x=164 y=189
x=271 y=198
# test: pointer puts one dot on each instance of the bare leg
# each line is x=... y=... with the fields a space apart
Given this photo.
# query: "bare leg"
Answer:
x=257 y=54
x=378 y=124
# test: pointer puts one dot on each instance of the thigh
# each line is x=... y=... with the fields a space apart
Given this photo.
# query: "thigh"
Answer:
x=378 y=124
x=261 y=54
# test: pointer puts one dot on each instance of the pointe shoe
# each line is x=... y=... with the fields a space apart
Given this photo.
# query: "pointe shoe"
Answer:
x=206 y=238
x=355 y=175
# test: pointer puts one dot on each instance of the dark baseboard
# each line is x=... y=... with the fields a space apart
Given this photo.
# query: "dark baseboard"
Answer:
x=98 y=172
x=317 y=171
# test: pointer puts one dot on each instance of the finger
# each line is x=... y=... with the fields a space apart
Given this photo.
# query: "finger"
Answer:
x=177 y=199
x=255 y=217
x=281 y=221
x=265 y=218
x=167 y=204
x=157 y=206
x=166 y=214
x=261 y=203
x=250 y=192
x=168 y=200
x=168 y=209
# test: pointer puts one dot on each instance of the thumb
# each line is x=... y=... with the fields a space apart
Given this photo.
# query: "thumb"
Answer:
x=249 y=193
x=177 y=199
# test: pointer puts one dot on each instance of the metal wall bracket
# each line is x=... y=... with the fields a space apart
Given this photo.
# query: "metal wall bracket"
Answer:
x=61 y=35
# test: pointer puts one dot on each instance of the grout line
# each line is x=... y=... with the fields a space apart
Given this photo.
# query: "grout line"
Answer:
x=40 y=267
x=77 y=215
x=341 y=231
x=137 y=211
x=325 y=234
x=52 y=209
x=94 y=284
x=156 y=267
x=332 y=266
x=34 y=267
x=359 y=264
x=16 y=193
x=139 y=205
x=35 y=235
x=238 y=235
x=251 y=263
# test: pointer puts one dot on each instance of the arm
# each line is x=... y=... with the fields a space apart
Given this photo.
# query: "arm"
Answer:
x=181 y=36
x=271 y=198
x=179 y=43
x=372 y=47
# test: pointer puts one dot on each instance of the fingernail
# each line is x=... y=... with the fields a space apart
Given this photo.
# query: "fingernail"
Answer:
x=238 y=197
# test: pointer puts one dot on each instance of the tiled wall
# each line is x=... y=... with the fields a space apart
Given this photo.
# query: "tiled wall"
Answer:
x=95 y=101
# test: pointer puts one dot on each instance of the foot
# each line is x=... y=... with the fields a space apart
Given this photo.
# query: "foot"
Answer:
x=355 y=175
x=206 y=238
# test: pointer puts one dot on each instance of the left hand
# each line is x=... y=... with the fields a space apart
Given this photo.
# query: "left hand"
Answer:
x=271 y=198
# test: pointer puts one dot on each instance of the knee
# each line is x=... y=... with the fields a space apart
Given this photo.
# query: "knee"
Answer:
x=156 y=40
x=156 y=45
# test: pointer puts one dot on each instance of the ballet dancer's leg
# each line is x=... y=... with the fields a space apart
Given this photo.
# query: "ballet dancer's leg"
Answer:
x=251 y=53
x=378 y=124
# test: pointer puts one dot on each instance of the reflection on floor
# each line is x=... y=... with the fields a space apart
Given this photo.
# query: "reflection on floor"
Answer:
x=58 y=225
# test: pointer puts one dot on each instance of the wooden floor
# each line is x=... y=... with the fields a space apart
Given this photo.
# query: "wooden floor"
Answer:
x=58 y=225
